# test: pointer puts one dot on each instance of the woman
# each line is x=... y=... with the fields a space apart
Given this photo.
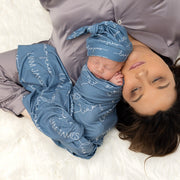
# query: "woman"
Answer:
x=157 y=28
x=150 y=88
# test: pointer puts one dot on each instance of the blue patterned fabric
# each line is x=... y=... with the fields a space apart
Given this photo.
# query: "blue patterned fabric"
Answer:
x=74 y=117
x=108 y=40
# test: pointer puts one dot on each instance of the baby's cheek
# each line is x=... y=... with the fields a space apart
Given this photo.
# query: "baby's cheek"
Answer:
x=111 y=74
x=107 y=76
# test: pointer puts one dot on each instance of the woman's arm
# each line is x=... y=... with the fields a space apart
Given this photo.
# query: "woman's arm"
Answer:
x=11 y=92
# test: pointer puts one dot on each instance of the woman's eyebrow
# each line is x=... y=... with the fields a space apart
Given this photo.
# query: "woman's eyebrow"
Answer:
x=138 y=98
x=159 y=87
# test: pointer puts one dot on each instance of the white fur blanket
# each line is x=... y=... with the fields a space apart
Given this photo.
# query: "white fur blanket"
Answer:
x=27 y=154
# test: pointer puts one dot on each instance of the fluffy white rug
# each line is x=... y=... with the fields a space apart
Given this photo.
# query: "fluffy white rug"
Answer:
x=27 y=154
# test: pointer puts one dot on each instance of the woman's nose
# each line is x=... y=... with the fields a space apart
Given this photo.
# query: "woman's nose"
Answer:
x=141 y=74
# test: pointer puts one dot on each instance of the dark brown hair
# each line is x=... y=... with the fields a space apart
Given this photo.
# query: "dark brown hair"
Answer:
x=156 y=135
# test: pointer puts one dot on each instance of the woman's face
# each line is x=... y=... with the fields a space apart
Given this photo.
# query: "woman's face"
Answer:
x=149 y=85
x=103 y=68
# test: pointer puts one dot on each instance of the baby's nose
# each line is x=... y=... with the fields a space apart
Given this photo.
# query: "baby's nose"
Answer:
x=100 y=69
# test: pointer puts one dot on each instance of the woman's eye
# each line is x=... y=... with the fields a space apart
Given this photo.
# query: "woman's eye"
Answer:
x=157 y=79
x=134 y=91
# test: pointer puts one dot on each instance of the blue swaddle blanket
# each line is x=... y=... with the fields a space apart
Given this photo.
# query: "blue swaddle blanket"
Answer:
x=76 y=118
x=94 y=104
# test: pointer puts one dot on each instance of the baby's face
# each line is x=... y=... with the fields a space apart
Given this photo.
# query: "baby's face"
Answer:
x=103 y=68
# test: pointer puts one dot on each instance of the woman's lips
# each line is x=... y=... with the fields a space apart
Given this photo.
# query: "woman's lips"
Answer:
x=136 y=65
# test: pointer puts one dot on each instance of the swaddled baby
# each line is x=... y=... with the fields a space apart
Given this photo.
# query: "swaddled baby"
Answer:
x=76 y=117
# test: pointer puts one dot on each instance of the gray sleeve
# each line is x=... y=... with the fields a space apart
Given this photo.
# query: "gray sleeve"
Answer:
x=11 y=92
x=48 y=4
x=44 y=3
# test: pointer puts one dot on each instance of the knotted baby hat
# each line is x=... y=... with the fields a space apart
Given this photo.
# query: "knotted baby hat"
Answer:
x=107 y=39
